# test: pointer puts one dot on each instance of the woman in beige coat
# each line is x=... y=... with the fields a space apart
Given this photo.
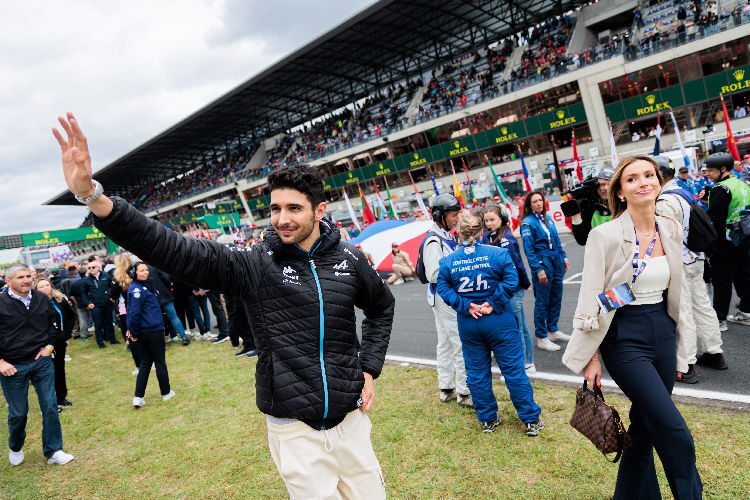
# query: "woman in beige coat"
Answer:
x=638 y=342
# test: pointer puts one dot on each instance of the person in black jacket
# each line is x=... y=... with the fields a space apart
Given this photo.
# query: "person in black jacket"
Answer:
x=162 y=284
x=146 y=328
x=64 y=309
x=28 y=331
x=95 y=295
x=300 y=286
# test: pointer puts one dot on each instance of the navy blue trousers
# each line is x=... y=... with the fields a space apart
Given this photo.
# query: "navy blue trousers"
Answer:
x=639 y=352
x=548 y=298
x=498 y=334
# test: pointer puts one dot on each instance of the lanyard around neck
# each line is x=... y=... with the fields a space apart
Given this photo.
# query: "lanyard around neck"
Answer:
x=543 y=222
x=637 y=270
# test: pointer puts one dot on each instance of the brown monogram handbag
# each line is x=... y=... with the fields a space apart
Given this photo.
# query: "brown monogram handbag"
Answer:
x=599 y=422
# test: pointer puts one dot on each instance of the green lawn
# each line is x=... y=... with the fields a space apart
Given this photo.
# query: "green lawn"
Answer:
x=210 y=441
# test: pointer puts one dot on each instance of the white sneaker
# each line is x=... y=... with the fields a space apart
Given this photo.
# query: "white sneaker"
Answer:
x=15 y=457
x=547 y=345
x=138 y=402
x=530 y=368
x=68 y=358
x=399 y=281
x=59 y=458
x=172 y=339
x=135 y=372
x=741 y=318
x=558 y=335
x=723 y=326
x=169 y=396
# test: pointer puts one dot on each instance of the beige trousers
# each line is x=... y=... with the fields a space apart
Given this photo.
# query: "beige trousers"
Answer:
x=399 y=271
x=339 y=463
x=701 y=322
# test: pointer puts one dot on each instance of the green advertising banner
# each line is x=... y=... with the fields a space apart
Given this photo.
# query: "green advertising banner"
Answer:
x=457 y=147
x=500 y=135
x=420 y=158
x=61 y=236
x=258 y=203
x=381 y=168
x=563 y=117
x=221 y=220
x=728 y=82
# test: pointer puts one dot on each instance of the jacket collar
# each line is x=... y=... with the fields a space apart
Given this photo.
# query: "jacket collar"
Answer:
x=665 y=224
x=329 y=238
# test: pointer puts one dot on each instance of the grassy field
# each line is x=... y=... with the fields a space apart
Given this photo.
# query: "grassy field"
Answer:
x=210 y=441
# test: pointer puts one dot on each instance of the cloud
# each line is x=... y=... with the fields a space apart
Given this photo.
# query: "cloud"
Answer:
x=129 y=70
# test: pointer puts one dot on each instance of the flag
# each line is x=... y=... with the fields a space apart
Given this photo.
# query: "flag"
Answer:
x=203 y=235
x=557 y=164
x=419 y=197
x=579 y=171
x=612 y=148
x=470 y=192
x=685 y=156
x=456 y=192
x=383 y=211
x=366 y=212
x=525 y=172
x=500 y=189
x=434 y=184
x=657 y=134
x=208 y=231
x=392 y=211
x=731 y=144
x=351 y=210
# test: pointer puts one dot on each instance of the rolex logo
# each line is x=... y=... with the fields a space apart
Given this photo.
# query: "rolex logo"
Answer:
x=739 y=74
x=350 y=175
x=456 y=144
x=504 y=130
x=380 y=165
x=46 y=235
x=416 y=156
x=560 y=114
x=650 y=99
x=96 y=231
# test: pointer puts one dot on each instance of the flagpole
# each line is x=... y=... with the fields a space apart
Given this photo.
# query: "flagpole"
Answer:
x=420 y=202
x=468 y=182
x=457 y=193
x=579 y=170
x=390 y=200
x=557 y=164
x=525 y=172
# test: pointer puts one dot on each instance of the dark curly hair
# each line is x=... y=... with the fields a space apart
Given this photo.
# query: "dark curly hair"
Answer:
x=303 y=178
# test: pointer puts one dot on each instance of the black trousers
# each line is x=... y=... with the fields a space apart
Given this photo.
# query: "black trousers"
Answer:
x=730 y=265
x=239 y=327
x=215 y=300
x=122 y=319
x=152 y=349
x=639 y=352
x=184 y=312
x=61 y=385
x=103 y=323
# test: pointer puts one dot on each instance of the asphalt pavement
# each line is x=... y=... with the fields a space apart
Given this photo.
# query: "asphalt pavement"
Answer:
x=414 y=337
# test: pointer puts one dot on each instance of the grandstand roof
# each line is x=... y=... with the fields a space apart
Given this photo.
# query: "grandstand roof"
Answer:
x=386 y=43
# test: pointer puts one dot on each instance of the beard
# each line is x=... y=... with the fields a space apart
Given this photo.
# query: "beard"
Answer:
x=303 y=232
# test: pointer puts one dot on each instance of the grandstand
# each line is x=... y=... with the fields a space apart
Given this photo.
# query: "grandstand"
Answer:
x=419 y=88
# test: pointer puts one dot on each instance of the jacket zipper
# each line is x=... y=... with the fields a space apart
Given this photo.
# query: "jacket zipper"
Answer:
x=321 y=326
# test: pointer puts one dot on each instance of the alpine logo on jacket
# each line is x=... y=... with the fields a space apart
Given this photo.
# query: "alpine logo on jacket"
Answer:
x=341 y=266
x=290 y=276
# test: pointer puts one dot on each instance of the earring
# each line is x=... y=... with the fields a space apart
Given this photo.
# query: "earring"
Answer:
x=622 y=199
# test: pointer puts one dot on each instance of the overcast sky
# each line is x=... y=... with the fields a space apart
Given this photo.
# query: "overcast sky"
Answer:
x=128 y=70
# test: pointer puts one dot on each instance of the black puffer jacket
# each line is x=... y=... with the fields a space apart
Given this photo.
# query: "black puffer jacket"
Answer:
x=300 y=307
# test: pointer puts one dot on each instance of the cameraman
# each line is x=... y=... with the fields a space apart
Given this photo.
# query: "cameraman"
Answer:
x=588 y=208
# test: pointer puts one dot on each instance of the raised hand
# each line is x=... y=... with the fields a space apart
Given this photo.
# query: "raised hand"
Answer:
x=75 y=156
x=77 y=164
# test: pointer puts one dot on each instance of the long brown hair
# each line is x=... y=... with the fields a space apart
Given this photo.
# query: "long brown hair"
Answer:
x=617 y=206
x=469 y=227
x=526 y=210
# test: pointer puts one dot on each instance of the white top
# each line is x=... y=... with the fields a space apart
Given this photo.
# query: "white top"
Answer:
x=650 y=285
